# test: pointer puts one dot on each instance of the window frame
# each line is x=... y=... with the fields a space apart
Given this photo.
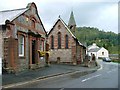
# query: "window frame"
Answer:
x=59 y=40
x=21 y=46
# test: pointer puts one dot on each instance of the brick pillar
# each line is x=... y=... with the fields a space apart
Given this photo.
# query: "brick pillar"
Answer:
x=11 y=54
x=47 y=54
x=30 y=50
x=36 y=50
x=74 y=55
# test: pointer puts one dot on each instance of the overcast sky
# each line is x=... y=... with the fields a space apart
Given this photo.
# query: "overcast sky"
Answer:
x=102 y=14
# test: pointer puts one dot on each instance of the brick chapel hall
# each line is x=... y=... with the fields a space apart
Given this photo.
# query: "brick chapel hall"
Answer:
x=63 y=44
x=22 y=36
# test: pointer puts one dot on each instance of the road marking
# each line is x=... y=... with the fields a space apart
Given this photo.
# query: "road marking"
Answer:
x=101 y=67
x=111 y=71
x=37 y=79
x=62 y=89
x=91 y=77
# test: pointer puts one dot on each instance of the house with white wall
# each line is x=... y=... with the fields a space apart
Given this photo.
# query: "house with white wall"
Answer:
x=97 y=51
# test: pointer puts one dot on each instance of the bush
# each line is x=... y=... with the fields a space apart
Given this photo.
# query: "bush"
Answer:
x=116 y=60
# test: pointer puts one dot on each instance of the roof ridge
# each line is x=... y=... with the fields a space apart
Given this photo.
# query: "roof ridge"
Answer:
x=59 y=18
x=13 y=10
x=67 y=27
x=11 y=14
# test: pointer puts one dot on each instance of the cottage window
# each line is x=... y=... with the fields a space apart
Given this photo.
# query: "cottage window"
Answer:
x=102 y=53
x=52 y=42
x=59 y=40
x=21 y=45
x=66 y=41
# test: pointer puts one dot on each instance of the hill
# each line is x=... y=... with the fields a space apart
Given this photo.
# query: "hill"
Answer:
x=89 y=35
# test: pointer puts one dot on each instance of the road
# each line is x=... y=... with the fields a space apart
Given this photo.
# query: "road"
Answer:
x=105 y=77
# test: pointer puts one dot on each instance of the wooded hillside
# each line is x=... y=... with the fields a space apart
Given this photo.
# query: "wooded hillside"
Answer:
x=89 y=35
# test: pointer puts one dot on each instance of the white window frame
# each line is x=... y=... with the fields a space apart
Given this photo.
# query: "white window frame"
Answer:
x=21 y=44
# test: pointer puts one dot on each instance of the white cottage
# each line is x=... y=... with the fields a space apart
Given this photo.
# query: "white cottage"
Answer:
x=97 y=51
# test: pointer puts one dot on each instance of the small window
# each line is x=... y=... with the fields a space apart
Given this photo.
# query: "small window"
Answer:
x=21 y=45
x=71 y=27
x=59 y=26
x=102 y=53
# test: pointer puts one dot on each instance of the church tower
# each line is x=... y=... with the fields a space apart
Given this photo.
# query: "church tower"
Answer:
x=72 y=23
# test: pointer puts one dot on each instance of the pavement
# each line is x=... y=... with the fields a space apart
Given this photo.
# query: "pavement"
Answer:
x=44 y=72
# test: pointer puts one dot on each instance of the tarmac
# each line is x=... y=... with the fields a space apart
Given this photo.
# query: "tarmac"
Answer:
x=44 y=72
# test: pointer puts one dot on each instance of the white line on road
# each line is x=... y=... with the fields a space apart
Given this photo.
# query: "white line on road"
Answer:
x=100 y=67
x=35 y=80
x=91 y=77
x=111 y=71
x=62 y=89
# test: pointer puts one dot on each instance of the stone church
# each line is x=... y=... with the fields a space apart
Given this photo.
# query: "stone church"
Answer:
x=22 y=35
x=63 y=44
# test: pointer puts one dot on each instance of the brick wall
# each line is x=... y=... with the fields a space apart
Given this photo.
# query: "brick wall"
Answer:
x=66 y=55
x=20 y=26
x=63 y=33
x=1 y=43
x=2 y=35
x=10 y=60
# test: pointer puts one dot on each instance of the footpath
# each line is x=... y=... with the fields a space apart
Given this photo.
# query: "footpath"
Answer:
x=45 y=72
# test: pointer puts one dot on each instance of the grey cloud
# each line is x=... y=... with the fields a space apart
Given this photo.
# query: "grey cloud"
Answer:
x=85 y=12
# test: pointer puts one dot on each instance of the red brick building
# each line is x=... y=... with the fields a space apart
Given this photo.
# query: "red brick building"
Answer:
x=63 y=44
x=23 y=34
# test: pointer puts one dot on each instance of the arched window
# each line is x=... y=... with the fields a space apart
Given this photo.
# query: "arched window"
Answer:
x=52 y=42
x=66 y=41
x=59 y=40
x=21 y=45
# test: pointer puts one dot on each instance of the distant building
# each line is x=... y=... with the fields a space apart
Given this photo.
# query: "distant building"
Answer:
x=97 y=51
x=22 y=34
x=64 y=46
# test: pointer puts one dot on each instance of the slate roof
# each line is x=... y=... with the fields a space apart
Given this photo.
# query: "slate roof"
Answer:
x=10 y=14
x=13 y=14
x=93 y=45
x=72 y=20
x=59 y=19
x=94 y=50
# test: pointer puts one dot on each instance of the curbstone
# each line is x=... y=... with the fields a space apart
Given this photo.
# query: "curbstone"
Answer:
x=81 y=73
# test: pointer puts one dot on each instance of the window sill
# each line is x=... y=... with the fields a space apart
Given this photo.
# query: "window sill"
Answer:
x=21 y=57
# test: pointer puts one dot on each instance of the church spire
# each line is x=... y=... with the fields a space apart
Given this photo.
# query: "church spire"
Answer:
x=72 y=23
x=72 y=20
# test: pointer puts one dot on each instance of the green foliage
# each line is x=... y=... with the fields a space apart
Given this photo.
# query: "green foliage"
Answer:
x=89 y=35
x=116 y=61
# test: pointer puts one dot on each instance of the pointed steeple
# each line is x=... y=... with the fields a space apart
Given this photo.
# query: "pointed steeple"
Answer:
x=71 y=20
x=72 y=23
